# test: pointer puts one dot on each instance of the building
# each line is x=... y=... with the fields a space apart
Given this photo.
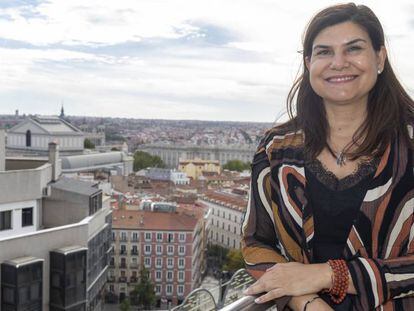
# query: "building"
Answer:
x=33 y=135
x=165 y=174
x=226 y=216
x=196 y=168
x=172 y=154
x=168 y=244
x=54 y=236
x=115 y=162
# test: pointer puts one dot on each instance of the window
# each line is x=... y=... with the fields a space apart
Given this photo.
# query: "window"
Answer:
x=228 y=241
x=170 y=262
x=228 y=228
x=224 y=215
x=158 y=262
x=158 y=275
x=229 y=216
x=123 y=236
x=158 y=249
x=169 y=276
x=169 y=289
x=147 y=249
x=5 y=220
x=181 y=250
x=180 y=290
x=181 y=237
x=181 y=263
x=234 y=243
x=170 y=237
x=170 y=249
x=28 y=138
x=134 y=250
x=123 y=249
x=134 y=236
x=27 y=216
x=147 y=236
x=95 y=203
x=180 y=276
x=147 y=262
x=235 y=229
x=158 y=289
x=159 y=237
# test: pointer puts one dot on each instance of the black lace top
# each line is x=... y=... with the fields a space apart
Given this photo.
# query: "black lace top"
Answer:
x=335 y=204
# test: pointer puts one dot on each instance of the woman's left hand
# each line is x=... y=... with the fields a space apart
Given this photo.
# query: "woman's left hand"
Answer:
x=291 y=279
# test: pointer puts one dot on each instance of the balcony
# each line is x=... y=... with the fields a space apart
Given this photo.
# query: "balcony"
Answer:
x=122 y=252
x=133 y=279
x=123 y=239
x=122 y=279
x=134 y=252
x=133 y=265
x=123 y=265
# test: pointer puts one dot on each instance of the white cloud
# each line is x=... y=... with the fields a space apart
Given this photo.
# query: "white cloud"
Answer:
x=238 y=62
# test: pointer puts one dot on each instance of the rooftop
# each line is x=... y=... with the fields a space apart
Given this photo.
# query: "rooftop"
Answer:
x=76 y=186
x=146 y=220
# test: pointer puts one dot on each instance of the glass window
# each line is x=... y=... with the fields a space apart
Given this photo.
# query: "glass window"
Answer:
x=135 y=236
x=159 y=249
x=147 y=262
x=169 y=275
x=180 y=275
x=181 y=250
x=180 y=289
x=181 y=237
x=170 y=249
x=147 y=249
x=170 y=262
x=170 y=237
x=159 y=236
x=169 y=289
x=181 y=263
x=158 y=275
x=5 y=220
x=27 y=216
x=147 y=236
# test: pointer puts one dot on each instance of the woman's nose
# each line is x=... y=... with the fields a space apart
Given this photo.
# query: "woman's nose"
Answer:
x=339 y=62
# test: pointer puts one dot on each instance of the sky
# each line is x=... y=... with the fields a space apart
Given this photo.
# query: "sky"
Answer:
x=229 y=60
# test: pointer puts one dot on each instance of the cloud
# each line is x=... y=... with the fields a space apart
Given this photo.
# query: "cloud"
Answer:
x=181 y=59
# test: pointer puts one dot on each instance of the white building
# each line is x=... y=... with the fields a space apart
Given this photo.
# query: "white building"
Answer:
x=33 y=135
x=54 y=236
x=226 y=216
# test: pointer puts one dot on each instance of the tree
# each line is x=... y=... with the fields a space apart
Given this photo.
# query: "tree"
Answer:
x=143 y=293
x=88 y=144
x=236 y=165
x=234 y=260
x=143 y=160
x=125 y=305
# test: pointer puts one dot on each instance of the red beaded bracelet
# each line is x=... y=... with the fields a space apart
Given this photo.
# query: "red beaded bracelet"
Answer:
x=340 y=280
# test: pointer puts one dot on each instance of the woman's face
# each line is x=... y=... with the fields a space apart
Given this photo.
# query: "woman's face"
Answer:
x=343 y=65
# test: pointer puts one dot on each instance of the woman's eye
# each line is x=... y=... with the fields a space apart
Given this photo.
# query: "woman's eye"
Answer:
x=354 y=48
x=323 y=52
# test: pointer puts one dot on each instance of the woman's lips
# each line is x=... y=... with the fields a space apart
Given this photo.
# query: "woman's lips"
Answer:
x=341 y=79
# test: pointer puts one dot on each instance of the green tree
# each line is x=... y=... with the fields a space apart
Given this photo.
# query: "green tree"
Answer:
x=143 y=293
x=125 y=305
x=143 y=160
x=234 y=260
x=88 y=144
x=236 y=165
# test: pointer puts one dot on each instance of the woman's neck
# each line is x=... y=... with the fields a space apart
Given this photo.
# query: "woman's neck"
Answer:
x=344 y=121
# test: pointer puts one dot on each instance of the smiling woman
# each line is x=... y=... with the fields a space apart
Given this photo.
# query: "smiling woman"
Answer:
x=330 y=221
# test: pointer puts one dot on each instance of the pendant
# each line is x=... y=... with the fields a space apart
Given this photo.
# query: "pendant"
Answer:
x=340 y=159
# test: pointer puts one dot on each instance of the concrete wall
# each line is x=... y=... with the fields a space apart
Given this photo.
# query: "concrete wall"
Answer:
x=63 y=207
x=23 y=185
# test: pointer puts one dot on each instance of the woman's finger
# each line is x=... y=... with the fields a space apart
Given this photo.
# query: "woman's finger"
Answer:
x=273 y=294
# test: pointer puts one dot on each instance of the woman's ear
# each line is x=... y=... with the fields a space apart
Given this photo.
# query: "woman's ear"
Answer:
x=307 y=62
x=381 y=57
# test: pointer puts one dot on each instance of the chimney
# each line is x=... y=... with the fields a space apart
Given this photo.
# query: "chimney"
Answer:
x=54 y=160
x=2 y=150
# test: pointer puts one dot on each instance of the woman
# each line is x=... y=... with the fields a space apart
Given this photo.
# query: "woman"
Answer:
x=332 y=194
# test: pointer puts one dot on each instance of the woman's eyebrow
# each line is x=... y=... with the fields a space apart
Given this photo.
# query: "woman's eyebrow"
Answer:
x=323 y=46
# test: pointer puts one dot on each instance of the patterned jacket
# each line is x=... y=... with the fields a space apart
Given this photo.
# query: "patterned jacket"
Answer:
x=278 y=225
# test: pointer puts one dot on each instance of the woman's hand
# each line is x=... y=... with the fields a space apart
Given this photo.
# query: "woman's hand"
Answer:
x=291 y=279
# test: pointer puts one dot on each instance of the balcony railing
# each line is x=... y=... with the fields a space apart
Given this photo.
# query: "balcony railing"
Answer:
x=232 y=299
x=122 y=265
x=122 y=279
x=122 y=252
x=133 y=279
x=134 y=252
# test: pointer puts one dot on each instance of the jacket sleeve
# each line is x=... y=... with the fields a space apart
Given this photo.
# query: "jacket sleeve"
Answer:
x=379 y=280
x=259 y=241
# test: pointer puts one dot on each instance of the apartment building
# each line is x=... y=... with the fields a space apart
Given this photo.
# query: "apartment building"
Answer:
x=54 y=237
x=226 y=217
x=167 y=243
x=196 y=168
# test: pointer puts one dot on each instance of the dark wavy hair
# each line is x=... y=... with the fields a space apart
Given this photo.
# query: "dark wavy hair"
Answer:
x=390 y=108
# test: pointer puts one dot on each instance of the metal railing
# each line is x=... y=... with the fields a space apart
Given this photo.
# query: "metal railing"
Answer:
x=230 y=297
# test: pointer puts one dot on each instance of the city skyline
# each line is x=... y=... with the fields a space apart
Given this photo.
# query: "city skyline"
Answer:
x=193 y=60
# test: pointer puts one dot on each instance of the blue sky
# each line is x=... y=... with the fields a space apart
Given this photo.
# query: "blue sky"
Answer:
x=170 y=59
